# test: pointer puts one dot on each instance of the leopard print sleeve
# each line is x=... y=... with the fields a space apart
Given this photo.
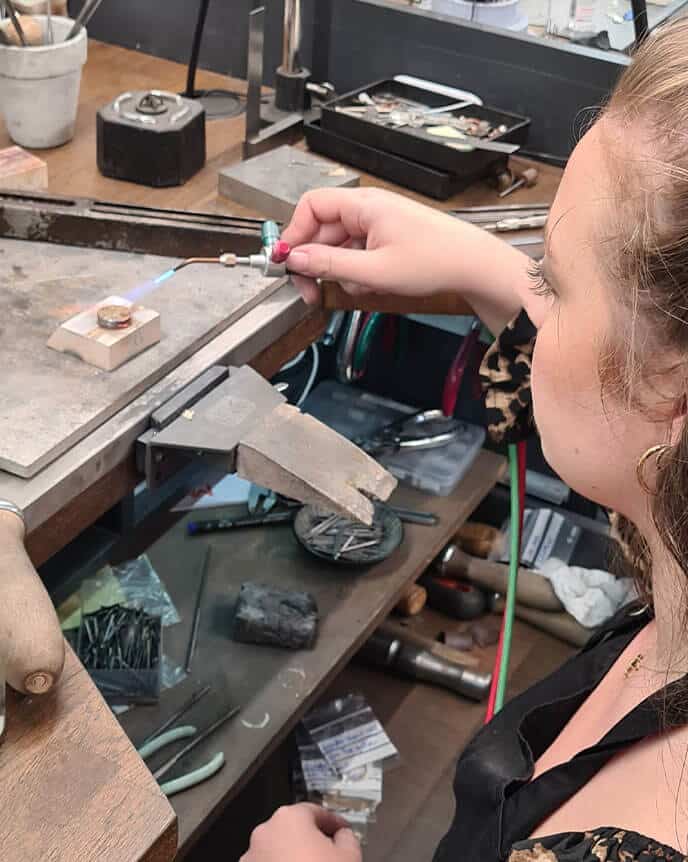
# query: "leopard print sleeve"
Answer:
x=505 y=378
x=603 y=845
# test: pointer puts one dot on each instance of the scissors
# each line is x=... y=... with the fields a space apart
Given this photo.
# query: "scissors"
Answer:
x=429 y=429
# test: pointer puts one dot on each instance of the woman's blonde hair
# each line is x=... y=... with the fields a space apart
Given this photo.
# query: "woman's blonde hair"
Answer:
x=646 y=253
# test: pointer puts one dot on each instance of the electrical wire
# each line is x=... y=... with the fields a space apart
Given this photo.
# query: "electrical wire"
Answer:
x=191 y=92
x=293 y=362
x=311 y=378
x=365 y=341
x=457 y=369
x=517 y=470
x=509 y=610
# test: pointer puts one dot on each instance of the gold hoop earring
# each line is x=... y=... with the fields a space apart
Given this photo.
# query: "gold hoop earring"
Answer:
x=658 y=451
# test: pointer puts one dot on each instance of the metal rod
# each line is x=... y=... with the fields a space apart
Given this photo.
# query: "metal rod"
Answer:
x=165 y=768
x=409 y=516
x=256 y=24
x=88 y=10
x=191 y=702
x=11 y=11
x=291 y=36
x=191 y=649
x=500 y=208
x=50 y=36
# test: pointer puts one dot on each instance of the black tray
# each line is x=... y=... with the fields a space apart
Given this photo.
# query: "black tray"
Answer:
x=417 y=144
x=403 y=172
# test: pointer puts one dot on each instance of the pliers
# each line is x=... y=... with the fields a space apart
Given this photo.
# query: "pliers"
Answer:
x=430 y=429
x=190 y=779
x=188 y=731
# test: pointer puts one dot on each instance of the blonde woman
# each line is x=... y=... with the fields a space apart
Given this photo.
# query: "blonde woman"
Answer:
x=587 y=766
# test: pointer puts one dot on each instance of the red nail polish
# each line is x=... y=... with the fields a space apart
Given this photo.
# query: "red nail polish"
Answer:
x=280 y=251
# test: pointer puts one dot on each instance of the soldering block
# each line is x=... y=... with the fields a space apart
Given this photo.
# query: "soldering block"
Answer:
x=107 y=348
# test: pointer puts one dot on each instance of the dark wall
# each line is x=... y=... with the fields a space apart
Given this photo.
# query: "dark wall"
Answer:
x=165 y=28
x=351 y=42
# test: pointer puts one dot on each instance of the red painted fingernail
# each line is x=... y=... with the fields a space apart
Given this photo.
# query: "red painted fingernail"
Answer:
x=280 y=251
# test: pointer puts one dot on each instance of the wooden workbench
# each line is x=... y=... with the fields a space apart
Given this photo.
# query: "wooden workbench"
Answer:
x=352 y=609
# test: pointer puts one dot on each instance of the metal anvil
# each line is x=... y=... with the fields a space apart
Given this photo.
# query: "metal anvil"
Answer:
x=235 y=417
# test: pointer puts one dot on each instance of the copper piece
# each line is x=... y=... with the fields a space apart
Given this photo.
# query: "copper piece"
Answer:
x=114 y=316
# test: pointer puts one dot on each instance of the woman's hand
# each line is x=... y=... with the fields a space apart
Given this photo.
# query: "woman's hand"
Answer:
x=374 y=241
x=370 y=240
x=303 y=833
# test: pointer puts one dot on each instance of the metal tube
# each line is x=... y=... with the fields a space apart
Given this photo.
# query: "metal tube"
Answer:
x=191 y=649
x=291 y=36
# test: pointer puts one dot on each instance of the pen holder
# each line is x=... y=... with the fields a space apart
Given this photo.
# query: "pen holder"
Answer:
x=39 y=87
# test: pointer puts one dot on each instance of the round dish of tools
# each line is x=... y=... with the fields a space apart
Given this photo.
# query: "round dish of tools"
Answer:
x=345 y=542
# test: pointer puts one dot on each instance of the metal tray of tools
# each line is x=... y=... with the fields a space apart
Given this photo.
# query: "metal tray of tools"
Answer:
x=375 y=128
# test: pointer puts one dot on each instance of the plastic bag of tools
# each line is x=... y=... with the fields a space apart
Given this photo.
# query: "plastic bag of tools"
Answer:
x=343 y=751
x=132 y=584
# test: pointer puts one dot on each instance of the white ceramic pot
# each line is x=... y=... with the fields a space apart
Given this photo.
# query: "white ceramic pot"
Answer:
x=39 y=87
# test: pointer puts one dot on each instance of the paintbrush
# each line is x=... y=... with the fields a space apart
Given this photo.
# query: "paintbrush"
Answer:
x=11 y=11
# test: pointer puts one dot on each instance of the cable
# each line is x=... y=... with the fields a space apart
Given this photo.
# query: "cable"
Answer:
x=191 y=92
x=365 y=341
x=312 y=376
x=517 y=470
x=292 y=362
x=455 y=375
x=514 y=554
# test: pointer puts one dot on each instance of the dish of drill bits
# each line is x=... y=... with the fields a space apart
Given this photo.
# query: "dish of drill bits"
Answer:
x=346 y=542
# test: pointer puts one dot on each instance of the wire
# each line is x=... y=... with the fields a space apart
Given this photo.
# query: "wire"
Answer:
x=190 y=91
x=514 y=555
x=517 y=469
x=365 y=341
x=457 y=370
x=311 y=379
x=293 y=362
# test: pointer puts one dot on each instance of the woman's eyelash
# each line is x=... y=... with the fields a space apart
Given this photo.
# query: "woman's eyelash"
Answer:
x=537 y=276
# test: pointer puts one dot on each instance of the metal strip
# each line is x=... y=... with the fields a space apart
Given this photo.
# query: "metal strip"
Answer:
x=256 y=27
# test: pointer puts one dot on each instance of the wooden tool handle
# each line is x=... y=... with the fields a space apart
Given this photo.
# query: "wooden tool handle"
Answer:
x=412 y=602
x=533 y=590
x=561 y=625
x=477 y=539
x=31 y=642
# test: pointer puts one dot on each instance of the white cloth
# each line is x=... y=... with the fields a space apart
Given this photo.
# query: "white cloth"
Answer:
x=592 y=596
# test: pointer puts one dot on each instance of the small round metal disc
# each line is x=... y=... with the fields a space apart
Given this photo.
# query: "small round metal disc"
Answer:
x=114 y=316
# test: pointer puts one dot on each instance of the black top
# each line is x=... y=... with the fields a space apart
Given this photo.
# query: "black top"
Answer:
x=498 y=807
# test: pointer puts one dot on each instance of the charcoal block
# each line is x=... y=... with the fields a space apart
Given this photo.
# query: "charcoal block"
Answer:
x=266 y=615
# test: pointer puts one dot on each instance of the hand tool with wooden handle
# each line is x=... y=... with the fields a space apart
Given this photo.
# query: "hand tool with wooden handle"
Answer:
x=477 y=539
x=394 y=629
x=402 y=656
x=412 y=602
x=533 y=590
x=31 y=643
x=559 y=625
